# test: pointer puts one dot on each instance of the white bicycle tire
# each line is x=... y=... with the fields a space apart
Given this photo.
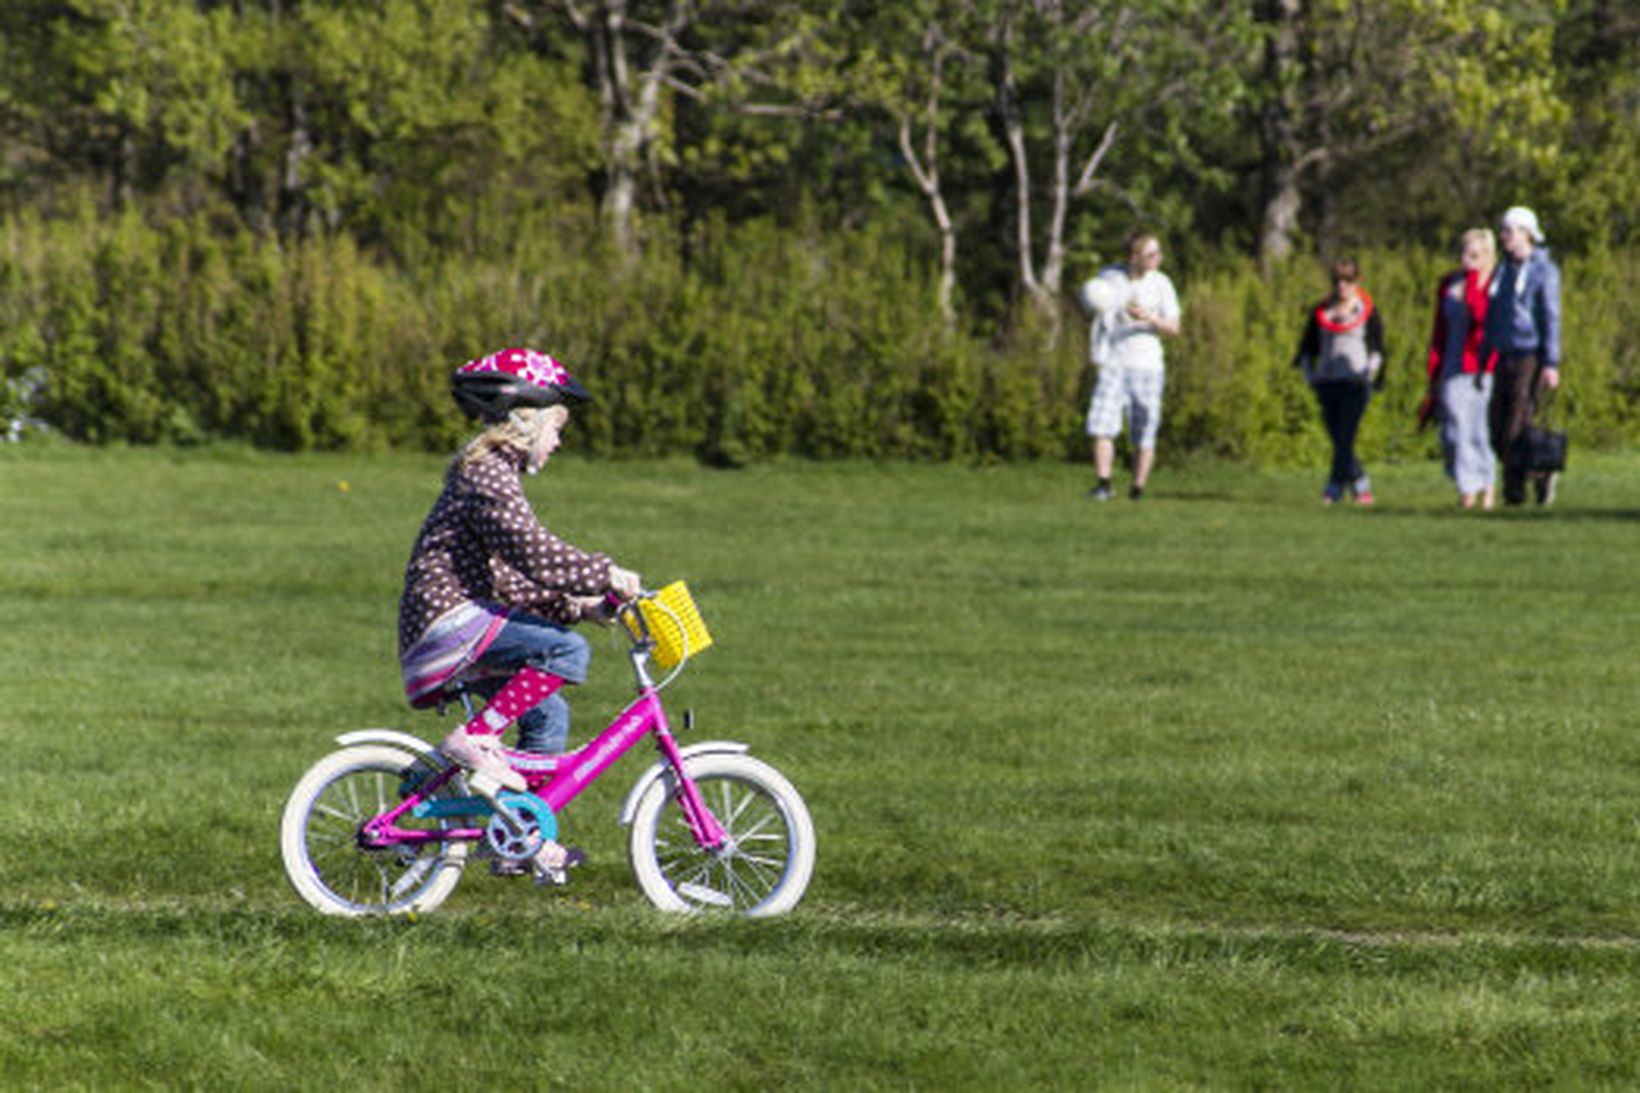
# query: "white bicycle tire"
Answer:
x=657 y=824
x=440 y=866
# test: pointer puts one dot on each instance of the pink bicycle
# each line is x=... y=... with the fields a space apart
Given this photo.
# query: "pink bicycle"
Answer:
x=386 y=825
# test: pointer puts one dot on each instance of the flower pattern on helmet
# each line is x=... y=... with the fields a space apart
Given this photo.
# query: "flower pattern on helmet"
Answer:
x=527 y=364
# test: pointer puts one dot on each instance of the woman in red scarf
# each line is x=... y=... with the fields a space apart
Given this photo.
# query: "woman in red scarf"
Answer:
x=1460 y=382
x=1342 y=355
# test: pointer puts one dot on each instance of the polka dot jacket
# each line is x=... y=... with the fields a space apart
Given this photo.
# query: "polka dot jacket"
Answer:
x=482 y=542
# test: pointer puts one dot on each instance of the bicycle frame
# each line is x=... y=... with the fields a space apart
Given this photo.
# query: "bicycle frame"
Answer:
x=563 y=778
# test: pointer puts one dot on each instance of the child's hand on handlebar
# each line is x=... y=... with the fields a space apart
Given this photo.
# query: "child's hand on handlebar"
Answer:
x=596 y=609
x=625 y=583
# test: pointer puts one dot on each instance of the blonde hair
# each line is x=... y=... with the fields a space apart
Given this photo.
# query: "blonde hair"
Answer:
x=1488 y=242
x=519 y=432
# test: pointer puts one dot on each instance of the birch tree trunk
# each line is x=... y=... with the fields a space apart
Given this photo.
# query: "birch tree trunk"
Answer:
x=925 y=168
x=1013 y=131
x=1280 y=196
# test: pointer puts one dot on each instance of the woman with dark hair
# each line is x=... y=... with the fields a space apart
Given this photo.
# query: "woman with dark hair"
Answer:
x=1342 y=357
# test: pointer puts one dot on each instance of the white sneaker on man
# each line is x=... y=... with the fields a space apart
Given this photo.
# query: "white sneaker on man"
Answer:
x=481 y=754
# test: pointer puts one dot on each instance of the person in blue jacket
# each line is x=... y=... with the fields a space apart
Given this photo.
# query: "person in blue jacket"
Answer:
x=1523 y=328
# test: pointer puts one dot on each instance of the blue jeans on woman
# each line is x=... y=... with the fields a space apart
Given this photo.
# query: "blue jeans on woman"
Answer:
x=1343 y=403
x=547 y=647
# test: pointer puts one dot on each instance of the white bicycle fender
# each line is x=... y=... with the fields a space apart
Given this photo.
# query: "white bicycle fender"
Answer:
x=658 y=771
x=386 y=736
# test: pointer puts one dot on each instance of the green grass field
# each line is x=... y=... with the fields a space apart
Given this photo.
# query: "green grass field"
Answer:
x=1217 y=790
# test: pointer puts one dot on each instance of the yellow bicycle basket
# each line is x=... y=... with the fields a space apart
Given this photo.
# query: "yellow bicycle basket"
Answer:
x=672 y=617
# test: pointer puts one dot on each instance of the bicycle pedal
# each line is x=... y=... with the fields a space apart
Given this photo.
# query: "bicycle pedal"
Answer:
x=501 y=867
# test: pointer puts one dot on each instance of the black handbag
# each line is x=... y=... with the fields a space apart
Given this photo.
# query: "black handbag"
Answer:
x=1543 y=448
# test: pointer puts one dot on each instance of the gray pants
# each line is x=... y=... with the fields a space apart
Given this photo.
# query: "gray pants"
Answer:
x=1465 y=436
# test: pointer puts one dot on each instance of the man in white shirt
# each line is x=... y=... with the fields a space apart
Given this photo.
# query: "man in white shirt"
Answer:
x=1139 y=307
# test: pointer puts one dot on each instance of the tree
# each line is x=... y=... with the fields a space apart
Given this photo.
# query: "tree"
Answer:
x=128 y=91
x=1345 y=84
x=640 y=53
x=1071 y=78
x=917 y=94
x=1597 y=185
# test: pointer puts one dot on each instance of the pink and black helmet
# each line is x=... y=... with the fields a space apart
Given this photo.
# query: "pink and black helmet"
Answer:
x=492 y=387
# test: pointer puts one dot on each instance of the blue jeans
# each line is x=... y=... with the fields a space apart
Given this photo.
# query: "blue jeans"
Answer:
x=547 y=647
x=1343 y=402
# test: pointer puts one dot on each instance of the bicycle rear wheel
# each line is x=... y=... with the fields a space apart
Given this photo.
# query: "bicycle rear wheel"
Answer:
x=318 y=839
x=763 y=867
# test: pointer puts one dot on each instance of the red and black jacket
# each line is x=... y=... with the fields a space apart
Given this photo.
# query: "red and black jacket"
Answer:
x=1476 y=297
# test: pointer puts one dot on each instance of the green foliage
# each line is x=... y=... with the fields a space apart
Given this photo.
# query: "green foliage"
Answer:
x=769 y=342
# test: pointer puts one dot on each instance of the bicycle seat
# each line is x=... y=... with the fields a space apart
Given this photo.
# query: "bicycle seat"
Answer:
x=452 y=689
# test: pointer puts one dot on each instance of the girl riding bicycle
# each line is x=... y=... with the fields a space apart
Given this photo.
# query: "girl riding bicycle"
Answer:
x=388 y=823
x=488 y=590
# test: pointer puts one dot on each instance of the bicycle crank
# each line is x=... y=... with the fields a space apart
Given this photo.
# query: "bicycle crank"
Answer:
x=520 y=824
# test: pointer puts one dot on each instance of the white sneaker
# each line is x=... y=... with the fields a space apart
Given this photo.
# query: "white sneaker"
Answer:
x=481 y=754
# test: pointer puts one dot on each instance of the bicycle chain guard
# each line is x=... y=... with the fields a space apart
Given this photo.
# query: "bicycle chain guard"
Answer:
x=536 y=824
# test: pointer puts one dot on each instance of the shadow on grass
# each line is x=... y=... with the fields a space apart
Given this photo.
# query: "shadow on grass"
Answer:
x=1526 y=514
x=984 y=941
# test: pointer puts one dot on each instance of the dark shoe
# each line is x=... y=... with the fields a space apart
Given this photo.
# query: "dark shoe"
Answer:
x=1100 y=492
x=1136 y=493
x=572 y=856
x=1545 y=487
x=553 y=862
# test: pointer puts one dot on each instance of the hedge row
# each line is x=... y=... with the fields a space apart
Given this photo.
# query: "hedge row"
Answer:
x=760 y=342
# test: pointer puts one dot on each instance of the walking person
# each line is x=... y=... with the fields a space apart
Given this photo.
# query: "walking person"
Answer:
x=1342 y=357
x=1135 y=307
x=1460 y=379
x=1523 y=329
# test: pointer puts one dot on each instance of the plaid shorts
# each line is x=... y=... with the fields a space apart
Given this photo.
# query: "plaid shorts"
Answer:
x=1123 y=391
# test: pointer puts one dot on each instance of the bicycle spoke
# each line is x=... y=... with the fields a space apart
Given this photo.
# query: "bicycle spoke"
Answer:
x=738 y=884
x=762 y=864
x=747 y=800
x=697 y=868
x=756 y=830
x=758 y=870
x=344 y=817
x=372 y=880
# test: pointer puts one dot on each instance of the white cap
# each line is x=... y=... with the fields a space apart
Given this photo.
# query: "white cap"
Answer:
x=1525 y=219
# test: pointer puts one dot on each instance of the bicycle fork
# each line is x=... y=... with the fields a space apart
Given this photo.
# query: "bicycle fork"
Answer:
x=704 y=826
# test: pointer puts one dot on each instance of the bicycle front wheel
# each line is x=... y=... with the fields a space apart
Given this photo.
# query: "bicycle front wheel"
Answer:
x=767 y=857
x=319 y=840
